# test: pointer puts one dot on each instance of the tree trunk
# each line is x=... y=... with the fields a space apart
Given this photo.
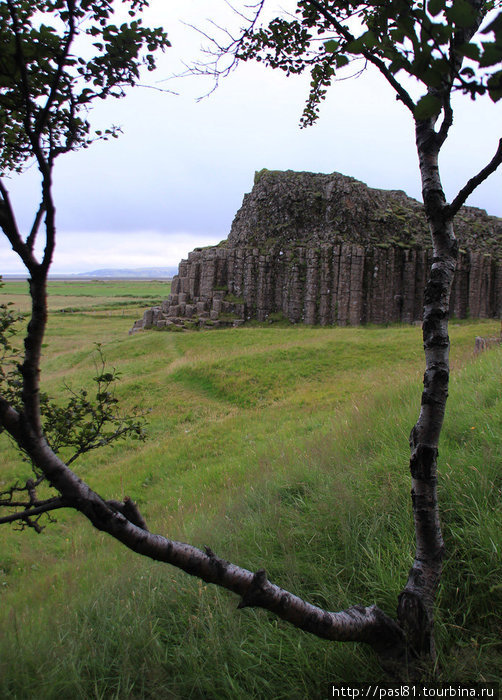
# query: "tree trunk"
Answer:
x=416 y=602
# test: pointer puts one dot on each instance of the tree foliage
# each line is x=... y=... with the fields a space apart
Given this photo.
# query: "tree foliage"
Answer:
x=57 y=58
x=432 y=42
x=72 y=426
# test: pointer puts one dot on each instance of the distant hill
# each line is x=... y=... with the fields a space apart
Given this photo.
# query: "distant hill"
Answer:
x=106 y=273
x=139 y=272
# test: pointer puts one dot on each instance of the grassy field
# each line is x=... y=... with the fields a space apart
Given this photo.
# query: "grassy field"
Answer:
x=284 y=448
x=89 y=295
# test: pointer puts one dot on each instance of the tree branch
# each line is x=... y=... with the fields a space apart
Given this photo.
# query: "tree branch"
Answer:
x=218 y=51
x=95 y=442
x=30 y=512
x=21 y=64
x=402 y=94
x=358 y=623
x=471 y=185
x=30 y=487
x=30 y=241
x=34 y=135
x=10 y=420
x=41 y=120
x=9 y=227
x=129 y=510
x=456 y=60
x=447 y=122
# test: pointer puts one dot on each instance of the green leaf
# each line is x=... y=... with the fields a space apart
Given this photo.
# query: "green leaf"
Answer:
x=435 y=7
x=441 y=33
x=341 y=60
x=397 y=35
x=432 y=77
x=397 y=65
x=492 y=54
x=495 y=86
x=355 y=46
x=369 y=39
x=461 y=13
x=111 y=60
x=331 y=46
x=428 y=106
x=469 y=50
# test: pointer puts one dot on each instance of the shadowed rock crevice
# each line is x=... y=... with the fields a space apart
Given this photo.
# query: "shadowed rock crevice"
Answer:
x=327 y=249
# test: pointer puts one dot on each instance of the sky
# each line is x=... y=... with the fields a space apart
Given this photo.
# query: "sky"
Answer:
x=176 y=177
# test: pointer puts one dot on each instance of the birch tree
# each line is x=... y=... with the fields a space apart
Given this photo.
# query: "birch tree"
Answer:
x=45 y=92
x=444 y=47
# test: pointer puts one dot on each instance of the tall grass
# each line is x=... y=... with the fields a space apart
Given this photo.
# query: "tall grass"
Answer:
x=284 y=448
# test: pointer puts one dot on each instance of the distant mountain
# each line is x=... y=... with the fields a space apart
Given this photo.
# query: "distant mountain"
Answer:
x=139 y=272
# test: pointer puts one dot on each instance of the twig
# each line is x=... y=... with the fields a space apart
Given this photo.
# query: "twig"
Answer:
x=471 y=185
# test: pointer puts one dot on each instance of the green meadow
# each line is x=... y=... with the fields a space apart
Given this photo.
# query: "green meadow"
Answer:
x=281 y=447
x=89 y=295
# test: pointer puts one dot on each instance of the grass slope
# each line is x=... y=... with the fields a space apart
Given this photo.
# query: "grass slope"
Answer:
x=278 y=447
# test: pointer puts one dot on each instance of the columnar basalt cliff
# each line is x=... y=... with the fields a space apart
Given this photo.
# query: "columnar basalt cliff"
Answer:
x=327 y=249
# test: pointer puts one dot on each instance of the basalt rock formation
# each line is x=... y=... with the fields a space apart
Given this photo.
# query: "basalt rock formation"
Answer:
x=327 y=249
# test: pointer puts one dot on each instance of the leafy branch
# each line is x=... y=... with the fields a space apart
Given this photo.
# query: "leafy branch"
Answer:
x=84 y=424
x=81 y=425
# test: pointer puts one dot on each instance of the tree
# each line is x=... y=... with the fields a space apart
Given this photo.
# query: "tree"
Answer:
x=44 y=94
x=444 y=46
x=437 y=43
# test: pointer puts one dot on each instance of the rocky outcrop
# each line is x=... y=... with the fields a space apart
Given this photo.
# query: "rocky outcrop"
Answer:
x=327 y=249
x=481 y=344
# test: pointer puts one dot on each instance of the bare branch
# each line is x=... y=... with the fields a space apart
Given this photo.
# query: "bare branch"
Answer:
x=6 y=497
x=447 y=122
x=95 y=441
x=35 y=511
x=241 y=14
x=32 y=508
x=30 y=241
x=130 y=510
x=158 y=89
x=471 y=185
x=9 y=419
x=217 y=51
x=9 y=226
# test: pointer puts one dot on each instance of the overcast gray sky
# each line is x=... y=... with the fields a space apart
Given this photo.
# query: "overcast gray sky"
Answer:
x=176 y=177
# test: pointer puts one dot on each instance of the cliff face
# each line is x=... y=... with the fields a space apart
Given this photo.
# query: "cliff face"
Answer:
x=327 y=249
